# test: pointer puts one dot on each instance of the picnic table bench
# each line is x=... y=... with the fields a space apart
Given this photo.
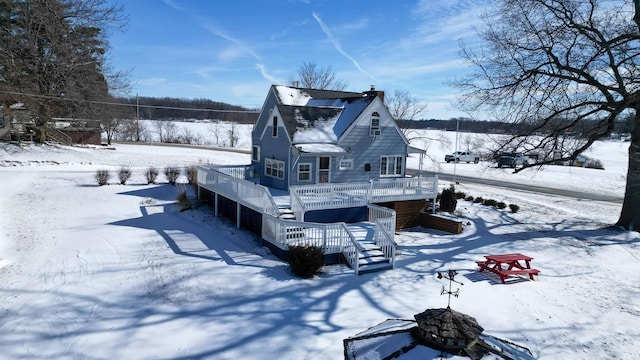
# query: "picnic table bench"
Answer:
x=505 y=265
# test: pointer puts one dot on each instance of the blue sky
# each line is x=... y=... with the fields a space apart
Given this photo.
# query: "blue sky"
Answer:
x=233 y=50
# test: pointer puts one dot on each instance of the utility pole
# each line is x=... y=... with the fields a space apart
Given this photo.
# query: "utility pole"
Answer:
x=137 y=119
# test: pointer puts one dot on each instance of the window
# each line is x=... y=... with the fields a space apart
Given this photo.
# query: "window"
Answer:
x=346 y=164
x=304 y=172
x=255 y=153
x=375 y=124
x=391 y=165
x=324 y=165
x=274 y=168
x=274 y=127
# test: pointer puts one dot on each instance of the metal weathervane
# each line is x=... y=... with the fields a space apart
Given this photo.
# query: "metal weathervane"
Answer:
x=449 y=275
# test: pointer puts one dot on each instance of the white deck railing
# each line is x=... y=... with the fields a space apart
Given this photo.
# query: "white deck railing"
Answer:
x=384 y=239
x=305 y=198
x=404 y=189
x=225 y=181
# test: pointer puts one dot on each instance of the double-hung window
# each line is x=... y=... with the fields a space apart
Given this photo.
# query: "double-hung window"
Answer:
x=304 y=172
x=391 y=165
x=274 y=168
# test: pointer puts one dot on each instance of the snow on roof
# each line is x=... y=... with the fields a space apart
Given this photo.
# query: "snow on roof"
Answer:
x=320 y=148
x=292 y=96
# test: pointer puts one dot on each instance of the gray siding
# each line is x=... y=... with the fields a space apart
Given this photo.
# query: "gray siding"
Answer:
x=364 y=149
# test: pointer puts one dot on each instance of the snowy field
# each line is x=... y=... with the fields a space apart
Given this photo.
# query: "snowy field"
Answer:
x=118 y=272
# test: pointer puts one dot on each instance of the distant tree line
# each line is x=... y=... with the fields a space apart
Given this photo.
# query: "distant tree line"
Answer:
x=168 y=108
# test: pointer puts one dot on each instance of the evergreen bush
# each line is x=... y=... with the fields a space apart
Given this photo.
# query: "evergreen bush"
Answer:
x=469 y=198
x=489 y=202
x=448 y=201
x=514 y=208
x=479 y=199
x=501 y=205
x=305 y=260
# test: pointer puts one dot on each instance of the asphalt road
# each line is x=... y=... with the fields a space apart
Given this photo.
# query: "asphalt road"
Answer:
x=449 y=177
x=523 y=187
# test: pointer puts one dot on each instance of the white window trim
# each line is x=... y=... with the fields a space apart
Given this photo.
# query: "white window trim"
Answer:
x=395 y=158
x=271 y=165
x=374 y=130
x=307 y=172
x=346 y=164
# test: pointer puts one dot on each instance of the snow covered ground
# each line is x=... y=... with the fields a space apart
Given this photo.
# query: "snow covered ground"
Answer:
x=118 y=272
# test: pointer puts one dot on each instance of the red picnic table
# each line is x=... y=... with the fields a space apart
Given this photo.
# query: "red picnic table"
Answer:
x=504 y=265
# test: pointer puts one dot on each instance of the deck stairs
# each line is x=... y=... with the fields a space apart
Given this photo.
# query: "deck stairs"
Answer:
x=58 y=136
x=371 y=259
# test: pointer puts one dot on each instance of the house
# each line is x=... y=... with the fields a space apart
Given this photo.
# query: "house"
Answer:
x=328 y=168
x=310 y=136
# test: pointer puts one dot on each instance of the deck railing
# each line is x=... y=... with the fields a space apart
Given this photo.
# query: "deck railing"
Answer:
x=305 y=198
x=404 y=189
x=226 y=181
x=385 y=216
x=331 y=238
x=384 y=239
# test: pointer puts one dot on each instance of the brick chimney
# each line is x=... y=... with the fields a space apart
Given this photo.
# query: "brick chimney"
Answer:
x=373 y=92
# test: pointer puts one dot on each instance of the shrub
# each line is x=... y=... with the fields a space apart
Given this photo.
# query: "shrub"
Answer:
x=152 y=174
x=469 y=198
x=102 y=177
x=124 y=174
x=489 y=202
x=183 y=199
x=460 y=195
x=305 y=260
x=501 y=205
x=192 y=176
x=594 y=164
x=172 y=173
x=479 y=199
x=514 y=208
x=448 y=201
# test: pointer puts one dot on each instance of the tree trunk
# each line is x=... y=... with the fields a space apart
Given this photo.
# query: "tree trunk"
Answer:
x=630 y=215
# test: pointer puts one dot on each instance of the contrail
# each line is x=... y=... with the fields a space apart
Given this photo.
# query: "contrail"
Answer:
x=337 y=45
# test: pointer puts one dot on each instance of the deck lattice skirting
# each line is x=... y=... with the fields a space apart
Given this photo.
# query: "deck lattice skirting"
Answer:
x=234 y=183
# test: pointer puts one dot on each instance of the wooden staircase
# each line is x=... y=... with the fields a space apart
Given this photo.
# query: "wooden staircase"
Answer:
x=58 y=136
x=372 y=259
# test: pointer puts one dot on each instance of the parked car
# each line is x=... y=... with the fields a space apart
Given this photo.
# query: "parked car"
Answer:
x=512 y=160
x=462 y=156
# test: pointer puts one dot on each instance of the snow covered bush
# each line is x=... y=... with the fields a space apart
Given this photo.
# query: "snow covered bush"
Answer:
x=102 y=177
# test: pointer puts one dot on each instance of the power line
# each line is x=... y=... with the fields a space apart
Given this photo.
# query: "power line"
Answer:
x=130 y=105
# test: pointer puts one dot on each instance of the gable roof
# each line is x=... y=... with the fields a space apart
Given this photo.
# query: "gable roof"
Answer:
x=318 y=116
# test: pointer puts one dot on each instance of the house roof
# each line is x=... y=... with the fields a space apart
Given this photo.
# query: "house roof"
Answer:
x=319 y=116
x=319 y=148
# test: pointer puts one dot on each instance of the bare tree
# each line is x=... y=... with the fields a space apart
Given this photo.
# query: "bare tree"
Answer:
x=568 y=70
x=309 y=75
x=234 y=136
x=405 y=108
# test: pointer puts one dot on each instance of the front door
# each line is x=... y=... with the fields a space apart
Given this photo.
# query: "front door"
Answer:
x=324 y=165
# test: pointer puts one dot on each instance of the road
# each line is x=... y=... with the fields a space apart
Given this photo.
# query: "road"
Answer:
x=523 y=187
x=449 y=177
